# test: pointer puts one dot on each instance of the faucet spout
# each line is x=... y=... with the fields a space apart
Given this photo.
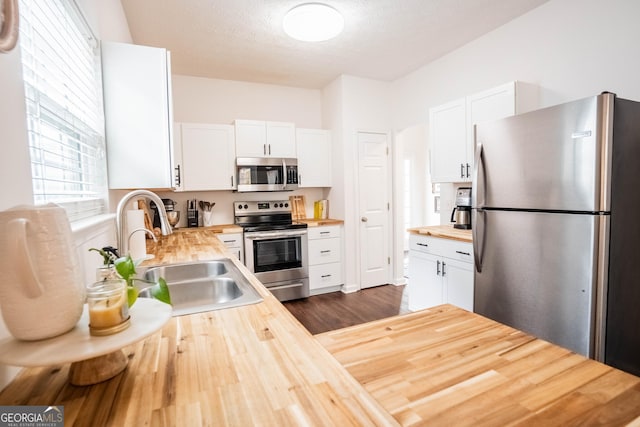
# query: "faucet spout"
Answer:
x=121 y=222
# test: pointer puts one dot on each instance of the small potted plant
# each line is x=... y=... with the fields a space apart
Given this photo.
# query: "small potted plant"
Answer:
x=125 y=268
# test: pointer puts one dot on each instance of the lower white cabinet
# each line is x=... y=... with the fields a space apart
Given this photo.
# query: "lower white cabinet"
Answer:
x=234 y=244
x=325 y=259
x=440 y=272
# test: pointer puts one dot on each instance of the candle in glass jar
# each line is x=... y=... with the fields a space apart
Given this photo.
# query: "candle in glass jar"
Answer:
x=108 y=307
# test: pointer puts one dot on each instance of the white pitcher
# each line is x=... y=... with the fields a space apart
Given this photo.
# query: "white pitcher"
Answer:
x=41 y=288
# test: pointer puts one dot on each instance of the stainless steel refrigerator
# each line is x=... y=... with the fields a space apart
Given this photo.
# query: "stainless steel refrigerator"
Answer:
x=556 y=226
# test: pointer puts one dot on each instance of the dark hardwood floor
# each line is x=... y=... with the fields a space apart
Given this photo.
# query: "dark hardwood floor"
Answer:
x=322 y=313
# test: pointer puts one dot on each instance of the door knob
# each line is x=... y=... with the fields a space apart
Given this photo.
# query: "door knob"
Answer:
x=364 y=219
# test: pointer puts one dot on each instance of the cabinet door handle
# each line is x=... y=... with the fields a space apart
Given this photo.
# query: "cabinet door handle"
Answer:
x=443 y=266
x=325 y=251
x=269 y=149
x=231 y=181
x=422 y=244
x=463 y=253
x=461 y=170
x=324 y=276
x=264 y=149
x=437 y=268
x=177 y=168
x=468 y=170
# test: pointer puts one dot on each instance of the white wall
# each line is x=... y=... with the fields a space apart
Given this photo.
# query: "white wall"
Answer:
x=355 y=104
x=202 y=100
x=570 y=48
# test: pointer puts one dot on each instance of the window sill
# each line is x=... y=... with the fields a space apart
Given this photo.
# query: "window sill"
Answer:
x=84 y=225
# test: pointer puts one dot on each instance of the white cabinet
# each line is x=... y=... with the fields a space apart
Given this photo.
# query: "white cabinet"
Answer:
x=325 y=259
x=255 y=138
x=314 y=157
x=138 y=116
x=449 y=152
x=208 y=156
x=234 y=244
x=451 y=127
x=440 y=272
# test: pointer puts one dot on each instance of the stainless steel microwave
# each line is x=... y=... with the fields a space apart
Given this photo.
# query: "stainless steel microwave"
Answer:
x=266 y=174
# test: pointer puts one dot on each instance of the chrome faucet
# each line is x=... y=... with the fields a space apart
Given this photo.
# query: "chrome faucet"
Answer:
x=121 y=222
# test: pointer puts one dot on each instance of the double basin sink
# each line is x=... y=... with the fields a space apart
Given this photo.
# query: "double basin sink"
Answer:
x=203 y=286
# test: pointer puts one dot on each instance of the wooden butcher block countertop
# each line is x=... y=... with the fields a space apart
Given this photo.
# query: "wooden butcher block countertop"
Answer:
x=447 y=367
x=244 y=366
x=444 y=232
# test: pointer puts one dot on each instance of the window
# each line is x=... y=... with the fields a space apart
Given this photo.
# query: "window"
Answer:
x=65 y=119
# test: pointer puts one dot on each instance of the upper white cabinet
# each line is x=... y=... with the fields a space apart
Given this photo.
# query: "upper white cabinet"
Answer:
x=255 y=138
x=452 y=127
x=314 y=157
x=208 y=157
x=449 y=152
x=138 y=115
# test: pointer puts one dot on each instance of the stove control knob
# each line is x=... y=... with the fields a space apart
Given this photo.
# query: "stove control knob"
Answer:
x=239 y=206
x=246 y=206
x=286 y=205
x=280 y=204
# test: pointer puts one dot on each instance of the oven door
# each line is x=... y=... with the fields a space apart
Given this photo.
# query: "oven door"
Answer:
x=277 y=256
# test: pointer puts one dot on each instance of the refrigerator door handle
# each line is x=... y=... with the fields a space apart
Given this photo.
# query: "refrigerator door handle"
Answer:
x=478 y=233
x=479 y=184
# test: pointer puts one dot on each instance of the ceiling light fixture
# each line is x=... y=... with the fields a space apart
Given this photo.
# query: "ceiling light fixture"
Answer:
x=313 y=22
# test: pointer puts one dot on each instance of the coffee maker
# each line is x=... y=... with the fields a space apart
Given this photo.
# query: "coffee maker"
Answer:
x=461 y=214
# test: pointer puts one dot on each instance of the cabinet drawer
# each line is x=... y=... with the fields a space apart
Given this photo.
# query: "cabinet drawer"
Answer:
x=457 y=250
x=324 y=251
x=425 y=244
x=325 y=275
x=324 y=232
x=448 y=248
x=231 y=240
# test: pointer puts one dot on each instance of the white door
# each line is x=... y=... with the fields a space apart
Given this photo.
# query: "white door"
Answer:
x=374 y=201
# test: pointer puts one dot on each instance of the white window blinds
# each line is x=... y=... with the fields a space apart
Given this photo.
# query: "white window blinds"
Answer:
x=65 y=119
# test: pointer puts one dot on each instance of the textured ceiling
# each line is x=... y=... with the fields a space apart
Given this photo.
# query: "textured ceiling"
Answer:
x=243 y=39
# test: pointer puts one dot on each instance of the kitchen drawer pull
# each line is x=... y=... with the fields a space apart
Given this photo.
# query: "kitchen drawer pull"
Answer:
x=422 y=244
x=324 y=276
x=325 y=251
x=463 y=253
x=325 y=232
x=229 y=241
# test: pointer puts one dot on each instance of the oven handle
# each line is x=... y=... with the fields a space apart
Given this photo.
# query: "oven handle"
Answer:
x=255 y=236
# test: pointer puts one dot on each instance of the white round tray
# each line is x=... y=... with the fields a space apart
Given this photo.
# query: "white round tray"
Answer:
x=147 y=316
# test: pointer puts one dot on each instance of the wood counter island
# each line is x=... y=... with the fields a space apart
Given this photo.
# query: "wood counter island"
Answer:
x=445 y=366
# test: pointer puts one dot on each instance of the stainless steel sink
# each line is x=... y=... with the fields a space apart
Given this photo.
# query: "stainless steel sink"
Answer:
x=203 y=286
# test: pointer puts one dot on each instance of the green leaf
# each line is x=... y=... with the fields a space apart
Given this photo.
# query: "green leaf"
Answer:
x=160 y=291
x=132 y=295
x=125 y=267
